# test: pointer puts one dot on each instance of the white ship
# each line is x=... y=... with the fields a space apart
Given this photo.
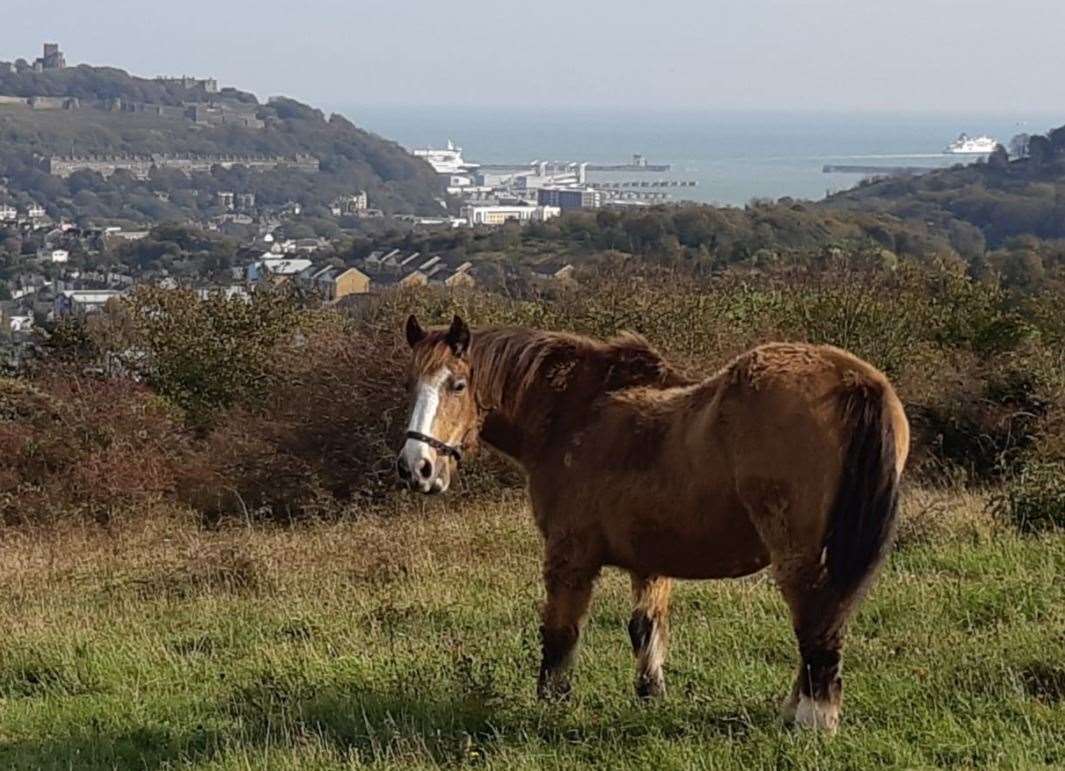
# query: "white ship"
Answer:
x=966 y=145
x=447 y=161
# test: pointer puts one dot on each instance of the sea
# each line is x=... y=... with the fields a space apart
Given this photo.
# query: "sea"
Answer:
x=732 y=156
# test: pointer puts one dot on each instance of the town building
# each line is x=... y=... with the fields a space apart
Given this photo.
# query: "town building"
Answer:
x=57 y=256
x=494 y=214
x=75 y=302
x=350 y=204
x=332 y=283
x=35 y=211
x=8 y=213
x=569 y=198
x=275 y=269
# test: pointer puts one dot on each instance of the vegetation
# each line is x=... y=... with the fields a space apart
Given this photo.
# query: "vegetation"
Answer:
x=207 y=566
x=407 y=638
x=351 y=159
x=283 y=411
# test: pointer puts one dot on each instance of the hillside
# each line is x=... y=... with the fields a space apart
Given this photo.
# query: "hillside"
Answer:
x=96 y=111
x=1010 y=213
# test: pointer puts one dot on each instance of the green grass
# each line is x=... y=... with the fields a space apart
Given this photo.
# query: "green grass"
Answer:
x=411 y=641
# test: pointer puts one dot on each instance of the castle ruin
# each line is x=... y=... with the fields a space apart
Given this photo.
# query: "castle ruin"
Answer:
x=53 y=59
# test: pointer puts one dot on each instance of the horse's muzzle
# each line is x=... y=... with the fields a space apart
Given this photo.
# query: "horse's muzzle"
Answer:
x=428 y=480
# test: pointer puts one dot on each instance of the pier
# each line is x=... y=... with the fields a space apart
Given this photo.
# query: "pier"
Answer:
x=886 y=171
x=642 y=183
x=638 y=164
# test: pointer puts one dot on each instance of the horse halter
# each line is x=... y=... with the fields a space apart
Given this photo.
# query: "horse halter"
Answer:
x=436 y=444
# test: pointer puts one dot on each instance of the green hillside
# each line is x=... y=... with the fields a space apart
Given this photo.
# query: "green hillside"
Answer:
x=1010 y=213
x=116 y=113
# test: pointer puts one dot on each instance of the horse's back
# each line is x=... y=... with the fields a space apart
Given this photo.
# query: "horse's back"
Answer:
x=787 y=434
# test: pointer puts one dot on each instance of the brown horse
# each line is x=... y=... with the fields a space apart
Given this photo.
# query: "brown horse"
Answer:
x=790 y=456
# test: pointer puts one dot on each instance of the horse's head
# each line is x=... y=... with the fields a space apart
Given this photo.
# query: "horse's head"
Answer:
x=444 y=416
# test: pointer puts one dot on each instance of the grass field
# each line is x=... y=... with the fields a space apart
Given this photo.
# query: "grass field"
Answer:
x=410 y=640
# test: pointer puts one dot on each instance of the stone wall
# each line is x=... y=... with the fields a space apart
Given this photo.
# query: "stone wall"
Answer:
x=141 y=166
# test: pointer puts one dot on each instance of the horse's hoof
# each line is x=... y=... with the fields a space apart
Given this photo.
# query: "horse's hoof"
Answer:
x=554 y=689
x=818 y=715
x=649 y=688
x=788 y=709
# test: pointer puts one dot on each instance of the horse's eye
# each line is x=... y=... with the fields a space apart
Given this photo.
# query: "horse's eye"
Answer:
x=458 y=386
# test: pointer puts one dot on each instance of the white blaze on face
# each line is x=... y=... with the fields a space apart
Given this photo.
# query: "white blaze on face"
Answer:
x=426 y=403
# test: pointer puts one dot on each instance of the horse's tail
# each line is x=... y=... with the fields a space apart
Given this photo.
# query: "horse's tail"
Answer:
x=861 y=523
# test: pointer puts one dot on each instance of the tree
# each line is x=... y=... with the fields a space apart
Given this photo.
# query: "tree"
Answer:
x=999 y=158
x=1019 y=146
x=1039 y=149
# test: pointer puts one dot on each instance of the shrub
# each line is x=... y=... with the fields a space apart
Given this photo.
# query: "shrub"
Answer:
x=1033 y=501
x=77 y=446
x=207 y=354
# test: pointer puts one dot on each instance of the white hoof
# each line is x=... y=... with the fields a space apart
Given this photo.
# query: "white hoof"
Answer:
x=820 y=716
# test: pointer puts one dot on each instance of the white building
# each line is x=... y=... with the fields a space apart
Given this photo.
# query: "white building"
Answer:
x=20 y=323
x=54 y=255
x=35 y=211
x=8 y=213
x=498 y=215
x=275 y=267
x=76 y=301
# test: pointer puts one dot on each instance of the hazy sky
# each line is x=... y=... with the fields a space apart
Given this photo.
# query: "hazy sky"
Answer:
x=975 y=55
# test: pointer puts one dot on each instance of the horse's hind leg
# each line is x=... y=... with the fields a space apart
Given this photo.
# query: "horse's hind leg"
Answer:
x=649 y=632
x=819 y=615
x=569 y=592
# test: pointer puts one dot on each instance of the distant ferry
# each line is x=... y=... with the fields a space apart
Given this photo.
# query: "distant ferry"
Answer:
x=447 y=161
x=966 y=145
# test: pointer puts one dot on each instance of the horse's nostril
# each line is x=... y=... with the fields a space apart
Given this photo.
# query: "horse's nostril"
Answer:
x=402 y=468
x=425 y=468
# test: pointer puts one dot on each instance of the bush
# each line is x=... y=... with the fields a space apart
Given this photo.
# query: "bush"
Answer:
x=1033 y=501
x=296 y=410
x=206 y=355
x=77 y=446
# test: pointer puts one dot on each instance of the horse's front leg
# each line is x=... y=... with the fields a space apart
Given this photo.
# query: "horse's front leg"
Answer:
x=649 y=632
x=569 y=580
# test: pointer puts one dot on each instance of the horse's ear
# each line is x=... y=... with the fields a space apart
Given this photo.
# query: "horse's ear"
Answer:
x=415 y=333
x=458 y=336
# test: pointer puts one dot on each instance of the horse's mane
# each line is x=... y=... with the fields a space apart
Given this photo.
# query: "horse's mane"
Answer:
x=509 y=362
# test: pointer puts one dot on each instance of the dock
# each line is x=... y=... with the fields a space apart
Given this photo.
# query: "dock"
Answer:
x=638 y=164
x=642 y=183
x=885 y=171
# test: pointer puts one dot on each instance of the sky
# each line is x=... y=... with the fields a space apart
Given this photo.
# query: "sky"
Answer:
x=868 y=55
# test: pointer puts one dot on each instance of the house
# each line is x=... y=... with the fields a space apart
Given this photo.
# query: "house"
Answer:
x=565 y=273
x=8 y=213
x=276 y=269
x=333 y=284
x=75 y=302
x=460 y=276
x=228 y=292
x=54 y=255
x=20 y=323
x=309 y=245
x=35 y=211
x=562 y=274
x=417 y=278
x=349 y=204
x=118 y=234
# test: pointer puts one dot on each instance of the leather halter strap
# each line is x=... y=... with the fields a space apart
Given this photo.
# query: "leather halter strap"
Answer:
x=436 y=444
